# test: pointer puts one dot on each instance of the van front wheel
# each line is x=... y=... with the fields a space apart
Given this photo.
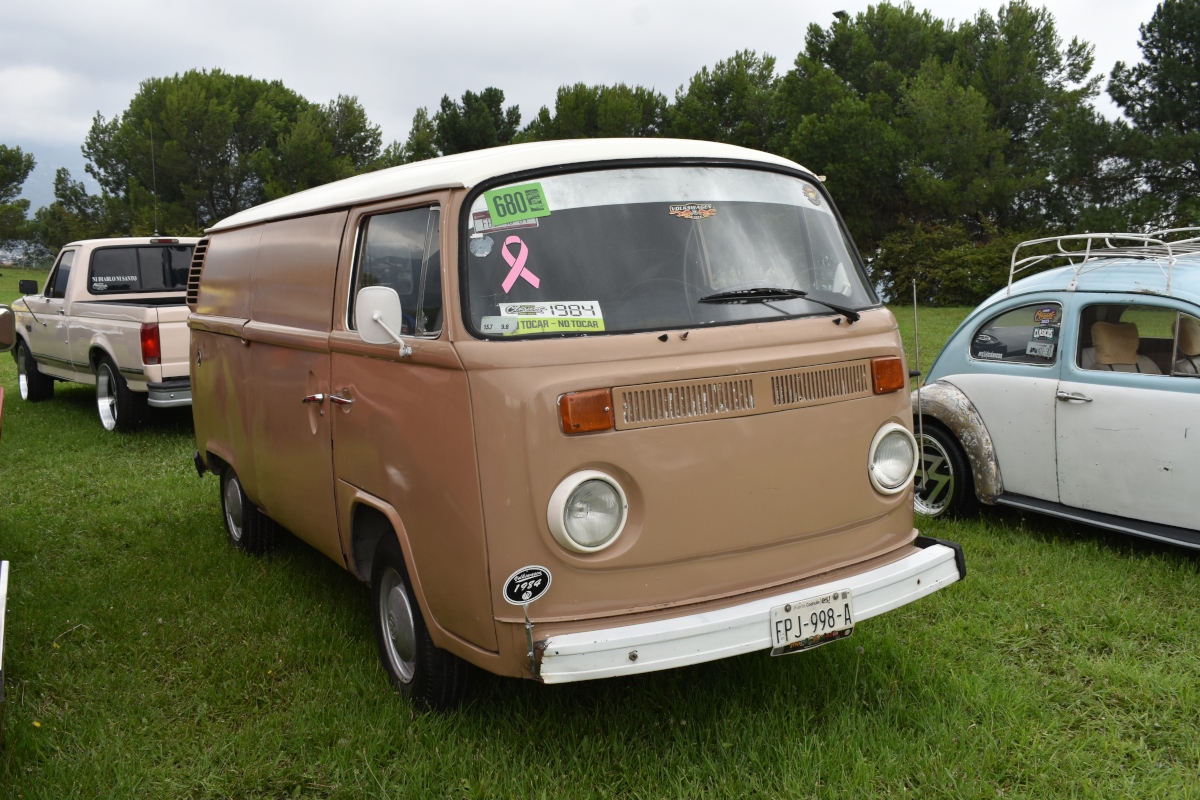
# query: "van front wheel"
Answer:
x=422 y=673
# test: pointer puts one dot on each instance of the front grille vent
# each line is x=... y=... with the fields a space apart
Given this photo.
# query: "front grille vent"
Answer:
x=687 y=401
x=804 y=386
x=674 y=402
x=197 y=267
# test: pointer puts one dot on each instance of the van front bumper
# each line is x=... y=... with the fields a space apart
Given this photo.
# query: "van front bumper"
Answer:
x=696 y=638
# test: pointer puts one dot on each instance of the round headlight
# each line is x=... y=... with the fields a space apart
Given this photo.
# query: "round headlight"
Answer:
x=587 y=511
x=893 y=458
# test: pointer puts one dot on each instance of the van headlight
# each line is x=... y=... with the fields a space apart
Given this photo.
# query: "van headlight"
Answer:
x=587 y=511
x=893 y=458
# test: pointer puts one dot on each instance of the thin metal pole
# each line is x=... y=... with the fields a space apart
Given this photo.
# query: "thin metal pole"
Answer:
x=153 y=180
x=920 y=411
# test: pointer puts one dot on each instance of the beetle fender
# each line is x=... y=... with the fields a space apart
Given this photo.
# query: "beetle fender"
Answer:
x=948 y=405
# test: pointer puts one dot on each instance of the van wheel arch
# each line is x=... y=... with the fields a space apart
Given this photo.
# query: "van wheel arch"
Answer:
x=369 y=526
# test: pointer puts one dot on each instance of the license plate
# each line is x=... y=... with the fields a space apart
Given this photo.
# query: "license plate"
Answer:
x=811 y=622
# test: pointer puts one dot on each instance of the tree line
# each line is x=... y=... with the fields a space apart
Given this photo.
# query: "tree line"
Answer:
x=943 y=143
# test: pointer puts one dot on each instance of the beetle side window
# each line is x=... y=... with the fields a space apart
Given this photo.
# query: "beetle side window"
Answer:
x=57 y=285
x=1126 y=337
x=1025 y=335
x=1187 y=346
x=402 y=251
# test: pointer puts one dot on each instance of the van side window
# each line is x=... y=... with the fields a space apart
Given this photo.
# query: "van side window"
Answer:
x=402 y=251
x=1125 y=337
x=1187 y=346
x=57 y=285
x=1025 y=335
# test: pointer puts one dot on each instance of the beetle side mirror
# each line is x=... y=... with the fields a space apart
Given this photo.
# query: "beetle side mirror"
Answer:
x=8 y=329
x=378 y=317
x=28 y=287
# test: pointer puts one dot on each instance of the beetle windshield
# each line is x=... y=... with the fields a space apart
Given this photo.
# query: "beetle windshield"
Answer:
x=636 y=249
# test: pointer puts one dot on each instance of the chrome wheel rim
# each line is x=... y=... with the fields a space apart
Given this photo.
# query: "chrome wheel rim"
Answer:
x=938 y=480
x=234 y=511
x=106 y=397
x=23 y=373
x=400 y=632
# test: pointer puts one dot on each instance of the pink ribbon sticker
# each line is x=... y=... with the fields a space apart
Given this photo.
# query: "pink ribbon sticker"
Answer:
x=517 y=263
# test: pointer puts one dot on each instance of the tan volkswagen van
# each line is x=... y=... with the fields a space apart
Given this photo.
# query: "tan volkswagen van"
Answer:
x=574 y=409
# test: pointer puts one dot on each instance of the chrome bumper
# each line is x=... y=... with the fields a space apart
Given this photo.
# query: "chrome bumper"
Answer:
x=696 y=638
x=170 y=393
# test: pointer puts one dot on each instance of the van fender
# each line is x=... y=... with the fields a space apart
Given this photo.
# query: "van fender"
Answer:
x=349 y=499
x=948 y=405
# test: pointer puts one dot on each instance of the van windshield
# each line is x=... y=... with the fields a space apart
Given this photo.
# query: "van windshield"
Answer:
x=616 y=251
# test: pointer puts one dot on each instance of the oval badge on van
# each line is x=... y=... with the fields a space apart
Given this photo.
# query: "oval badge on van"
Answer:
x=526 y=585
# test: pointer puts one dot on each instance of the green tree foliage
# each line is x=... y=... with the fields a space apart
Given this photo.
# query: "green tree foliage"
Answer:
x=420 y=145
x=75 y=214
x=1161 y=98
x=734 y=102
x=478 y=121
x=589 y=112
x=15 y=166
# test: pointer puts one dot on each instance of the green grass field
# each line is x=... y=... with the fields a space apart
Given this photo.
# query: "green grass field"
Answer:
x=146 y=658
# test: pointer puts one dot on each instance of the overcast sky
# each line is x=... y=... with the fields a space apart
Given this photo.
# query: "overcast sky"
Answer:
x=63 y=61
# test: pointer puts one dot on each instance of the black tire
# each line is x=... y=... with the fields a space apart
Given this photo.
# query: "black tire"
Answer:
x=248 y=529
x=119 y=408
x=950 y=488
x=423 y=673
x=34 y=387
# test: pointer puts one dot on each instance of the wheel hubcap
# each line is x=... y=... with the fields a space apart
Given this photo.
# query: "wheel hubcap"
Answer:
x=106 y=398
x=936 y=488
x=22 y=374
x=401 y=639
x=233 y=509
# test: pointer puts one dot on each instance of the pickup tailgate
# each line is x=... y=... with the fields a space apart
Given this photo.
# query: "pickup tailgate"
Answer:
x=173 y=333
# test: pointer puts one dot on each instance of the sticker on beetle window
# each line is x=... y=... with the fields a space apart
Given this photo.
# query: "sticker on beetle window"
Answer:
x=526 y=585
x=1044 y=333
x=811 y=193
x=570 y=316
x=1045 y=316
x=990 y=355
x=516 y=203
x=1040 y=349
x=481 y=222
x=692 y=210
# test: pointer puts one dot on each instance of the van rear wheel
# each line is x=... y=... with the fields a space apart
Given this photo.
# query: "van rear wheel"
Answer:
x=249 y=530
x=120 y=408
x=32 y=384
x=423 y=673
x=944 y=483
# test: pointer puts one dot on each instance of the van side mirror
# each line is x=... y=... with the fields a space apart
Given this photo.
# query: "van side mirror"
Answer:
x=28 y=287
x=8 y=329
x=378 y=317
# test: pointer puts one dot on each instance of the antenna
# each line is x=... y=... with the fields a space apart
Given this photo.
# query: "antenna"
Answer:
x=153 y=179
x=920 y=411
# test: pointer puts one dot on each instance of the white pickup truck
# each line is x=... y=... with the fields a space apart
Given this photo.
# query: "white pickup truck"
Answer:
x=112 y=314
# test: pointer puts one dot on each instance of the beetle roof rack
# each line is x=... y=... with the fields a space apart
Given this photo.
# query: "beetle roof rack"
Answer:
x=1095 y=248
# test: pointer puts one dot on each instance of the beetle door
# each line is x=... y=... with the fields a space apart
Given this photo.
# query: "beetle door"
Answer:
x=1128 y=415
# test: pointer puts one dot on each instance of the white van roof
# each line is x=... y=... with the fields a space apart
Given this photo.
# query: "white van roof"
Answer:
x=467 y=169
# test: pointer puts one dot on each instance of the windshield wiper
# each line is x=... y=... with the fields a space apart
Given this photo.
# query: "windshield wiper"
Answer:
x=765 y=294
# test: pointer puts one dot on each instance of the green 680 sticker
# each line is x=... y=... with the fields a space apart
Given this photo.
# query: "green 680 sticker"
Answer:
x=514 y=203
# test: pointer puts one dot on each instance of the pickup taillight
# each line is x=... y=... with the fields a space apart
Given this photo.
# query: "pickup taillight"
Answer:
x=151 y=346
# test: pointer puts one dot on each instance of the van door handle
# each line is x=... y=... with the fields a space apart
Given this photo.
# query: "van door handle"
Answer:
x=1073 y=396
x=312 y=398
x=337 y=399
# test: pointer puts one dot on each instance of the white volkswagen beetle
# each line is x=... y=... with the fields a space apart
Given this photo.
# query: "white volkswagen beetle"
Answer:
x=1074 y=392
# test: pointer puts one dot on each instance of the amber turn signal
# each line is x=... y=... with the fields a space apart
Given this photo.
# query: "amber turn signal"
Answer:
x=888 y=374
x=585 y=412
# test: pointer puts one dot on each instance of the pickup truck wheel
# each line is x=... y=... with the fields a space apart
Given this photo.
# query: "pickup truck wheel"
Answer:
x=120 y=409
x=423 y=673
x=948 y=487
x=33 y=385
x=249 y=530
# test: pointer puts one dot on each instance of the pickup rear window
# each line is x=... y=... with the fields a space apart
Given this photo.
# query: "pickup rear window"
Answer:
x=141 y=268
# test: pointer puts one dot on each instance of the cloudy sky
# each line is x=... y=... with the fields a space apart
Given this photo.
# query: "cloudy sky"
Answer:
x=62 y=61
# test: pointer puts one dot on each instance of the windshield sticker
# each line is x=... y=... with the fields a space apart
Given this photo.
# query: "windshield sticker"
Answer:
x=571 y=316
x=481 y=246
x=692 y=210
x=498 y=326
x=1044 y=333
x=1040 y=349
x=989 y=354
x=481 y=221
x=516 y=203
x=811 y=193
x=517 y=263
x=1045 y=316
